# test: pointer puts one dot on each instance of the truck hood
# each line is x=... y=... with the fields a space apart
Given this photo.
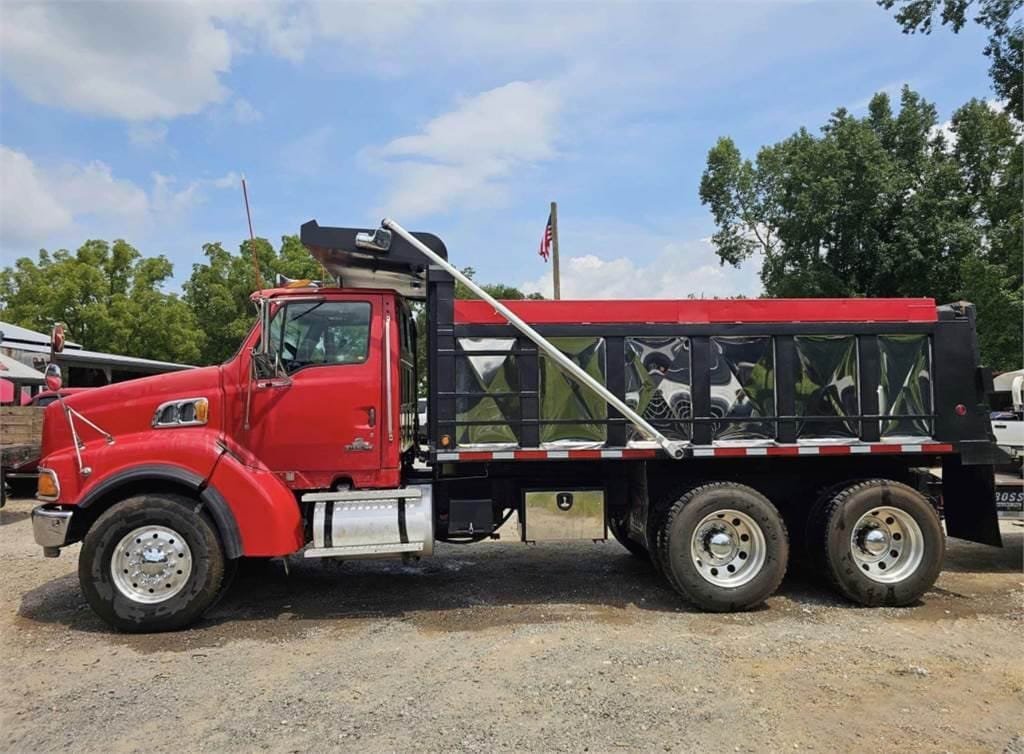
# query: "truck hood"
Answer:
x=128 y=407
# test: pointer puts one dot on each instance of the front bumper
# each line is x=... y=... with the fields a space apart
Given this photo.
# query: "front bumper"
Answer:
x=51 y=527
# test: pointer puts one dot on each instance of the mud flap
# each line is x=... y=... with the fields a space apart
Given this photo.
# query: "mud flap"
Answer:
x=969 y=502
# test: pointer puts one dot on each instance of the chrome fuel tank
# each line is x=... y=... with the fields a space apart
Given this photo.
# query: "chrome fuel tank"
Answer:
x=372 y=523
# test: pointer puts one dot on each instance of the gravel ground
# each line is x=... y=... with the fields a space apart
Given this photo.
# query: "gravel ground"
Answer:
x=508 y=647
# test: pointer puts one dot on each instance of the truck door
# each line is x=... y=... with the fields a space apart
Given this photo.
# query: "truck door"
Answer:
x=320 y=416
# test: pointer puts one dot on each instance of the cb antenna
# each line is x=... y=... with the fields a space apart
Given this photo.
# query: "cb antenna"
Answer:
x=252 y=238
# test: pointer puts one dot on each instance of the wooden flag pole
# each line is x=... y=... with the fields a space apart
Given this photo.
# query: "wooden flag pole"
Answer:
x=554 y=250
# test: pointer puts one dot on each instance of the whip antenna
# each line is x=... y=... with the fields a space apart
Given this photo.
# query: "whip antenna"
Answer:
x=252 y=238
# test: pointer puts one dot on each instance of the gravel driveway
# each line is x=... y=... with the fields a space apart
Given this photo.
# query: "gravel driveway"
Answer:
x=509 y=647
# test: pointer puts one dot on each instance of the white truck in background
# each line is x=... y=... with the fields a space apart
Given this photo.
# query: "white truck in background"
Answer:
x=1008 y=424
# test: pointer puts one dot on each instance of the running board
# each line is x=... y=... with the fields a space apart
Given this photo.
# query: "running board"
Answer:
x=372 y=523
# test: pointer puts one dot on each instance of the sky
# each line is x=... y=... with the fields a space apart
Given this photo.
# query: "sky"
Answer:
x=136 y=120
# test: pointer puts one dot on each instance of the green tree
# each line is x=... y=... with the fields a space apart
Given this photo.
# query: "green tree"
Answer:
x=1005 y=43
x=884 y=205
x=219 y=289
x=110 y=298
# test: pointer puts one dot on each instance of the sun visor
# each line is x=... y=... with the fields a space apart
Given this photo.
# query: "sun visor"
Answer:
x=400 y=267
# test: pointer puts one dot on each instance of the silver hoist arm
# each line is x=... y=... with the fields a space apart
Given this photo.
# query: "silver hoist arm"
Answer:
x=674 y=448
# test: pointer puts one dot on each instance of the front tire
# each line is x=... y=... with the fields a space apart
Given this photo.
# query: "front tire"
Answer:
x=880 y=543
x=151 y=564
x=724 y=547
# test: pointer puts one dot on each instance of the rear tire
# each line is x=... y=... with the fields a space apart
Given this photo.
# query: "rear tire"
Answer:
x=724 y=547
x=619 y=530
x=880 y=543
x=151 y=564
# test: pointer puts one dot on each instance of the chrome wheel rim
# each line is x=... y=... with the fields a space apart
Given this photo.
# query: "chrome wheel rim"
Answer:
x=151 y=564
x=887 y=545
x=728 y=548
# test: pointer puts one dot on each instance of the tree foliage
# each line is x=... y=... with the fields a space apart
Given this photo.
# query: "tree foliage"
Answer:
x=1005 y=45
x=219 y=289
x=884 y=205
x=109 y=296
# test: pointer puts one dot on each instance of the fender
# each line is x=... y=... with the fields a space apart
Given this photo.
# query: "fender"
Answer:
x=265 y=509
x=214 y=502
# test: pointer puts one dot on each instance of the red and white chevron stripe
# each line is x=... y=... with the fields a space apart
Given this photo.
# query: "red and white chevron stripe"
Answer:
x=697 y=451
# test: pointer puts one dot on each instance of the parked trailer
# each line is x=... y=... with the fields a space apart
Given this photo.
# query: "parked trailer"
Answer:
x=717 y=439
x=20 y=430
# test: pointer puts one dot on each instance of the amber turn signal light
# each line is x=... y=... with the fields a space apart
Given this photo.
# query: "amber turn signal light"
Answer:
x=46 y=486
x=446 y=441
x=202 y=410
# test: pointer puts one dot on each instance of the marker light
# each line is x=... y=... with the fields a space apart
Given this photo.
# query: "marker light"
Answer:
x=47 y=486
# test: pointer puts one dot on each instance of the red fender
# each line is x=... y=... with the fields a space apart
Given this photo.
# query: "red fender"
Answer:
x=265 y=510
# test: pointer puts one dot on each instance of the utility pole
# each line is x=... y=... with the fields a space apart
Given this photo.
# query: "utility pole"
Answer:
x=554 y=249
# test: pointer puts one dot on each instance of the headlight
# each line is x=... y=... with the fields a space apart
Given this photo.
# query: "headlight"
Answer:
x=187 y=412
x=47 y=485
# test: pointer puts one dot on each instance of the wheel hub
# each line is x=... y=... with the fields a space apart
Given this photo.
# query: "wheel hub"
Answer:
x=874 y=541
x=719 y=544
x=728 y=548
x=151 y=564
x=886 y=544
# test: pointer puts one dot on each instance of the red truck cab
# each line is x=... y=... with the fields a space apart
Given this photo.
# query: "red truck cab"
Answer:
x=306 y=410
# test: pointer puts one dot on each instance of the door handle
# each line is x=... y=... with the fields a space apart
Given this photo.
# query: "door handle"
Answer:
x=371 y=413
x=274 y=382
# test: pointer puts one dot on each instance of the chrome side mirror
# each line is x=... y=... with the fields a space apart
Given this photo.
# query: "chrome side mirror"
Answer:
x=53 y=378
x=377 y=240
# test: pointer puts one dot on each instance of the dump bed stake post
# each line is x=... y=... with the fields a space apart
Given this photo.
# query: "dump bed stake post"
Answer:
x=674 y=448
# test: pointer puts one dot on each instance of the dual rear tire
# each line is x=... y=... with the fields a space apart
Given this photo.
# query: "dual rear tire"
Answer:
x=724 y=547
x=877 y=542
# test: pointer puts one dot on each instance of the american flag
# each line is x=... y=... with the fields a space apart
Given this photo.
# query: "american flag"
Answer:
x=545 y=242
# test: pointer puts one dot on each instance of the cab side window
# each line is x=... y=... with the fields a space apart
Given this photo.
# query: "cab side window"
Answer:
x=320 y=333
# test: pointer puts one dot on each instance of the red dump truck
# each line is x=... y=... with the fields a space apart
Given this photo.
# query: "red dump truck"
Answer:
x=716 y=438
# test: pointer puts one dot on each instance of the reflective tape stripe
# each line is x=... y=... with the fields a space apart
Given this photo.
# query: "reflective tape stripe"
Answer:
x=630 y=453
x=475 y=455
x=700 y=451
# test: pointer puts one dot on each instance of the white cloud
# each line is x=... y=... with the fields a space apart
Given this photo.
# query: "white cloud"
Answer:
x=681 y=269
x=37 y=203
x=243 y=111
x=167 y=201
x=463 y=155
x=28 y=209
x=147 y=135
x=136 y=61
x=160 y=60
x=140 y=61
x=41 y=204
